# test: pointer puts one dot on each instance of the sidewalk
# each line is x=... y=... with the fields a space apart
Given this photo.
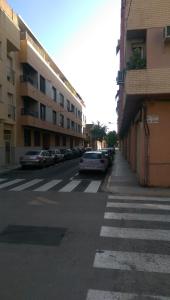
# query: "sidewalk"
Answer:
x=122 y=181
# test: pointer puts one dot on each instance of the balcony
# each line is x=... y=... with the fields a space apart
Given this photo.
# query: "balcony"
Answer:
x=147 y=82
x=120 y=77
x=28 y=112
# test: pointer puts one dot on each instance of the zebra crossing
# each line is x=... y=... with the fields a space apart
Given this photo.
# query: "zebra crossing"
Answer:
x=138 y=229
x=42 y=185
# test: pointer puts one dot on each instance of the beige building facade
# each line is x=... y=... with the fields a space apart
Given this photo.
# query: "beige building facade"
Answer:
x=39 y=108
x=144 y=89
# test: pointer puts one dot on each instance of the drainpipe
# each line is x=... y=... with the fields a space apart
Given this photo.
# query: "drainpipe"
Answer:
x=146 y=146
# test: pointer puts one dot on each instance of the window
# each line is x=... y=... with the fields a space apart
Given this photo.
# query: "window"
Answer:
x=54 y=117
x=54 y=93
x=42 y=112
x=68 y=123
x=61 y=99
x=61 y=120
x=37 y=140
x=72 y=125
x=68 y=105
x=72 y=108
x=10 y=71
x=42 y=84
x=27 y=137
x=11 y=106
x=138 y=49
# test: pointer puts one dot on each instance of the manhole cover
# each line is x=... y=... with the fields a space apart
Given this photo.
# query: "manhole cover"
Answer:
x=35 y=235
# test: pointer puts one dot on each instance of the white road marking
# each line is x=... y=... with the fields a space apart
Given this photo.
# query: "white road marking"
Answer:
x=93 y=186
x=106 y=295
x=137 y=217
x=45 y=187
x=132 y=261
x=135 y=233
x=26 y=185
x=70 y=186
x=12 y=182
x=146 y=198
x=2 y=179
x=138 y=205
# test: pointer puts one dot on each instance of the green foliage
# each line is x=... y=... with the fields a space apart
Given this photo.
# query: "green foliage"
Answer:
x=112 y=138
x=98 y=131
x=136 y=62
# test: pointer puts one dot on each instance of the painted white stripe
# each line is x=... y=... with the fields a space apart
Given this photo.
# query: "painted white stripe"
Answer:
x=48 y=185
x=132 y=261
x=70 y=186
x=106 y=295
x=135 y=233
x=26 y=185
x=137 y=217
x=2 y=179
x=147 y=198
x=138 y=205
x=93 y=186
x=6 y=184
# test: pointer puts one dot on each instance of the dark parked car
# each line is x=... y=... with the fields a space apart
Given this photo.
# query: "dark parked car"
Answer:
x=68 y=154
x=37 y=158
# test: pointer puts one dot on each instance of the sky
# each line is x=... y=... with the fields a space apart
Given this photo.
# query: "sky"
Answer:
x=81 y=37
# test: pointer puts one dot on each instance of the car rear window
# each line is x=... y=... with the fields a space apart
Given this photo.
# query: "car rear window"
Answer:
x=32 y=152
x=92 y=155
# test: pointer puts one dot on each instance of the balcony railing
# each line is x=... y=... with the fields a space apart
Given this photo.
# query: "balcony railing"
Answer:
x=120 y=77
x=27 y=78
x=28 y=112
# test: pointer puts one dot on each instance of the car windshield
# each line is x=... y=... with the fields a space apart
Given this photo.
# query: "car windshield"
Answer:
x=32 y=153
x=92 y=155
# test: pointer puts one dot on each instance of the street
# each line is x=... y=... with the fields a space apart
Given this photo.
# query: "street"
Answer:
x=61 y=243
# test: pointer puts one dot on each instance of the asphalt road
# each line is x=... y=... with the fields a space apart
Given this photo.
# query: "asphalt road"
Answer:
x=80 y=245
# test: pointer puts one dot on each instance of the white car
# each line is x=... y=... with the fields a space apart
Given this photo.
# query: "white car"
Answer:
x=93 y=161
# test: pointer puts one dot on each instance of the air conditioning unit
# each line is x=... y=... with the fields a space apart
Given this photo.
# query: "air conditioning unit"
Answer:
x=166 y=33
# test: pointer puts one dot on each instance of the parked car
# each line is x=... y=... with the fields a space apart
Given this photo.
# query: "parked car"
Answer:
x=68 y=154
x=108 y=154
x=37 y=158
x=56 y=155
x=93 y=161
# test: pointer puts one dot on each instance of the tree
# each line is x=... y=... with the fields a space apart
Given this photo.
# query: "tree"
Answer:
x=98 y=132
x=112 y=138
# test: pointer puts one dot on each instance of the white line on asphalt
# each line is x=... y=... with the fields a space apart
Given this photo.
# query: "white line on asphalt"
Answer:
x=137 y=217
x=147 y=198
x=45 y=187
x=132 y=261
x=138 y=205
x=26 y=185
x=12 y=182
x=135 y=233
x=70 y=186
x=2 y=179
x=93 y=186
x=106 y=295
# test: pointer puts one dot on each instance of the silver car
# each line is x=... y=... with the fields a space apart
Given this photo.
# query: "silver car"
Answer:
x=37 y=158
x=93 y=161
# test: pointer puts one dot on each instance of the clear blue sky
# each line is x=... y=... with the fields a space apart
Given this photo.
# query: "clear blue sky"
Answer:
x=81 y=36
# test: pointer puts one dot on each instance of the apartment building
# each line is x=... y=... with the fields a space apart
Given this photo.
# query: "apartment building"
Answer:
x=40 y=107
x=143 y=105
x=9 y=46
